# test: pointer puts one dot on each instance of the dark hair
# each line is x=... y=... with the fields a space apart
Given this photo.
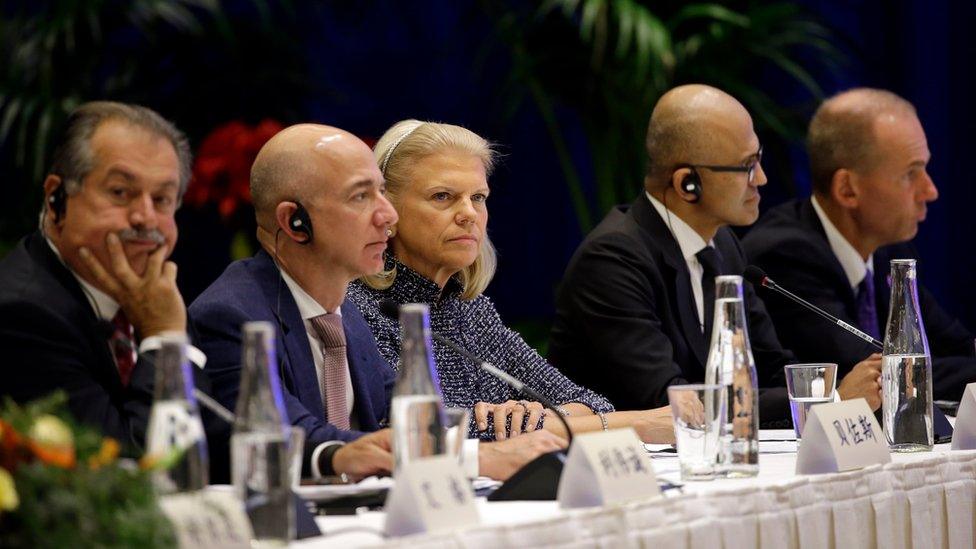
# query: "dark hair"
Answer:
x=73 y=158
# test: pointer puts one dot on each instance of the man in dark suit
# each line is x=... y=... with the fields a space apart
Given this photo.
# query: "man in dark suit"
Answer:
x=84 y=299
x=868 y=155
x=633 y=313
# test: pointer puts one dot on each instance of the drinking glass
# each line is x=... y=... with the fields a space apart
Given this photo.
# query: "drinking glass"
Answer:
x=698 y=411
x=808 y=385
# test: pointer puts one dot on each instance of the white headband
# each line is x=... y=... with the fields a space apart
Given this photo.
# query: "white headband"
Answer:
x=389 y=153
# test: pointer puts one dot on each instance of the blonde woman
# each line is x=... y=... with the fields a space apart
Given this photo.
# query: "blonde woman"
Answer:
x=440 y=255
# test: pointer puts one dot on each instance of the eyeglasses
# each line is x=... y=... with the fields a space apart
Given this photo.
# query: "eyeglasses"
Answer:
x=750 y=169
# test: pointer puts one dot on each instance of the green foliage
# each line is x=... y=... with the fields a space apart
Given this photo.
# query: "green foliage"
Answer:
x=83 y=506
x=610 y=60
x=105 y=507
x=57 y=54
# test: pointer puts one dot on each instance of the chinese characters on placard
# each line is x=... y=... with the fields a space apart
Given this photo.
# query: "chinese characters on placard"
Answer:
x=854 y=432
x=456 y=491
x=618 y=462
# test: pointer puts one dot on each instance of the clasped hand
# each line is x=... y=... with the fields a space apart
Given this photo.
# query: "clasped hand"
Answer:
x=520 y=412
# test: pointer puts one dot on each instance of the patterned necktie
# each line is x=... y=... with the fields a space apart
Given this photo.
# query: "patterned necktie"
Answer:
x=867 y=314
x=329 y=329
x=123 y=346
x=711 y=262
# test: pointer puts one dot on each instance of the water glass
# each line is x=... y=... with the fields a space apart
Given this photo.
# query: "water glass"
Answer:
x=698 y=411
x=809 y=384
x=296 y=453
x=456 y=426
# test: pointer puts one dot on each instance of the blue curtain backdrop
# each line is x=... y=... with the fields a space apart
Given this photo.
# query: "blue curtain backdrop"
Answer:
x=427 y=60
x=371 y=63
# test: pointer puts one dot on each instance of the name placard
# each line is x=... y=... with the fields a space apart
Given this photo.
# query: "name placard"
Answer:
x=207 y=519
x=841 y=436
x=964 y=432
x=606 y=467
x=430 y=494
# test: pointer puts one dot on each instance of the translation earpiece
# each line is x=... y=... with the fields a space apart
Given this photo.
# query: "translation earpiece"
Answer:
x=691 y=185
x=57 y=202
x=300 y=222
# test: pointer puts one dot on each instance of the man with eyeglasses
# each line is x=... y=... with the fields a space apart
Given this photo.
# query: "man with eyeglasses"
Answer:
x=633 y=314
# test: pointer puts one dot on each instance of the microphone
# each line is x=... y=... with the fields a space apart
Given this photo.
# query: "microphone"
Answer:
x=391 y=310
x=758 y=277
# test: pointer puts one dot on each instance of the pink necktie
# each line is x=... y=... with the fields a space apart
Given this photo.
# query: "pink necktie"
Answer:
x=329 y=329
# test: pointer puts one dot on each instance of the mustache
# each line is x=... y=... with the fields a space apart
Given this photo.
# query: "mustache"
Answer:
x=152 y=235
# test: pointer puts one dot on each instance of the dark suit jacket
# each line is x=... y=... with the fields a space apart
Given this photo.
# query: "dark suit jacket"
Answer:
x=790 y=244
x=627 y=325
x=52 y=339
x=250 y=290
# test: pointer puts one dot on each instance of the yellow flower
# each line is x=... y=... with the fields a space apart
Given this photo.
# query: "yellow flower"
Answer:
x=49 y=430
x=52 y=442
x=8 y=492
x=106 y=453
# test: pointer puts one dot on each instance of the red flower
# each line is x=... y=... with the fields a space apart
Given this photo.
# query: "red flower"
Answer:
x=222 y=170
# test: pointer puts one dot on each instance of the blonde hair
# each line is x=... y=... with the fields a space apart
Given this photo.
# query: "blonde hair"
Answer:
x=401 y=146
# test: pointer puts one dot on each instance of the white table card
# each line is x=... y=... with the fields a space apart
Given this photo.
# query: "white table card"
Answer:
x=430 y=494
x=964 y=431
x=207 y=519
x=841 y=436
x=606 y=467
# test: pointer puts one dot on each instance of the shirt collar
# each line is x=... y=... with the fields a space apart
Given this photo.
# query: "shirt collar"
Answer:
x=307 y=306
x=103 y=304
x=850 y=260
x=689 y=241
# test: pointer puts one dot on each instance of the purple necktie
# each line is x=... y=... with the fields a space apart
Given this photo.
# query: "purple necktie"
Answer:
x=867 y=315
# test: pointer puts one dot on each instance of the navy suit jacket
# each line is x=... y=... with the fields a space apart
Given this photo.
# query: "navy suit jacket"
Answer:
x=252 y=289
x=627 y=324
x=790 y=244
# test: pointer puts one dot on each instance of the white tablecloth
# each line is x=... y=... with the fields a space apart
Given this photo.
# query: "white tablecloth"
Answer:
x=919 y=500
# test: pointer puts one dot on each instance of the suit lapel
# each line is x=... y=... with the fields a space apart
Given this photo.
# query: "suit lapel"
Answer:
x=293 y=339
x=356 y=341
x=809 y=218
x=662 y=242
x=41 y=252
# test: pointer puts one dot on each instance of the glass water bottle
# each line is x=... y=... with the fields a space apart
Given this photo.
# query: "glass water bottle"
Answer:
x=906 y=367
x=260 y=457
x=417 y=412
x=176 y=446
x=730 y=363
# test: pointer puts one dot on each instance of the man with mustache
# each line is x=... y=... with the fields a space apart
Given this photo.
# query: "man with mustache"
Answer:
x=868 y=157
x=83 y=299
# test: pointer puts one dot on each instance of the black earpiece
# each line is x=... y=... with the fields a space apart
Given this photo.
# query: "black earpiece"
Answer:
x=57 y=202
x=691 y=184
x=301 y=223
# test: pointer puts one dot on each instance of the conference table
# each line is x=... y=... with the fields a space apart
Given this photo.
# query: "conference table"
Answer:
x=919 y=500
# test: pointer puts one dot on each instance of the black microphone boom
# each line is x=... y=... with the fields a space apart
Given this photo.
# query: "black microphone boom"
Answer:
x=758 y=277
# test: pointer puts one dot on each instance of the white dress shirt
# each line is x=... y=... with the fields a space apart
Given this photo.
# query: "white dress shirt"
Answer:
x=850 y=260
x=690 y=243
